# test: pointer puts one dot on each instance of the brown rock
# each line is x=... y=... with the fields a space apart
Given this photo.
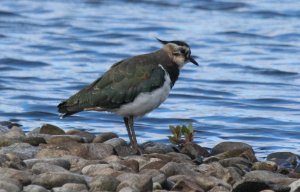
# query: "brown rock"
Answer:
x=60 y=139
x=78 y=163
x=209 y=182
x=139 y=182
x=71 y=187
x=142 y=160
x=87 y=137
x=54 y=161
x=15 y=133
x=116 y=142
x=57 y=179
x=187 y=186
x=156 y=175
x=22 y=150
x=267 y=177
x=39 y=168
x=154 y=165
x=235 y=160
x=124 y=151
x=34 y=140
x=265 y=165
x=34 y=188
x=104 y=137
x=24 y=177
x=193 y=150
x=51 y=153
x=229 y=146
x=243 y=152
x=152 y=147
x=219 y=189
x=51 y=130
x=284 y=159
x=96 y=169
x=133 y=165
x=173 y=168
x=99 y=150
x=103 y=183
x=215 y=169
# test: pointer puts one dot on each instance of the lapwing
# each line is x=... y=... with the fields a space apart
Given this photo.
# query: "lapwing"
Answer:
x=133 y=87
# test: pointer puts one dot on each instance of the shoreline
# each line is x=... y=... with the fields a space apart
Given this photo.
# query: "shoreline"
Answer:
x=50 y=159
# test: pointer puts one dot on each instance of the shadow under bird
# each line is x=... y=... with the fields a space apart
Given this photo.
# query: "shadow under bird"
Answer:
x=133 y=87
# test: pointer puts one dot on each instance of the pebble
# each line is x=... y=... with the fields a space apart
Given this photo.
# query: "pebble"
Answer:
x=104 y=137
x=34 y=188
x=103 y=183
x=50 y=159
x=153 y=147
x=71 y=187
x=86 y=136
x=57 y=179
x=22 y=150
x=193 y=150
x=39 y=168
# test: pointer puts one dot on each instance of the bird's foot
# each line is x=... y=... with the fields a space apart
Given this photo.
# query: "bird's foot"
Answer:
x=137 y=150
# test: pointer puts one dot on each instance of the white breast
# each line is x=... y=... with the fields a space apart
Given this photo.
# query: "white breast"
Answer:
x=146 y=102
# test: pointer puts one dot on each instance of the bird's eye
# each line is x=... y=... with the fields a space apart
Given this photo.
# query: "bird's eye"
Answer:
x=182 y=51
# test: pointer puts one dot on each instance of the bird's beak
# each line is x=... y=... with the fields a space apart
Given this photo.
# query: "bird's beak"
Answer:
x=162 y=41
x=193 y=60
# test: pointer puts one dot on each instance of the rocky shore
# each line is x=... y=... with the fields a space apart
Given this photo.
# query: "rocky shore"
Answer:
x=50 y=159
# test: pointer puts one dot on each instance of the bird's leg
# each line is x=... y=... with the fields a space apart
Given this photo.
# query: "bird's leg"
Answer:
x=126 y=121
x=134 y=144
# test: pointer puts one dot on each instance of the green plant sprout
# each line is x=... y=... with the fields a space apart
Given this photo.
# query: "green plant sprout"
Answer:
x=181 y=134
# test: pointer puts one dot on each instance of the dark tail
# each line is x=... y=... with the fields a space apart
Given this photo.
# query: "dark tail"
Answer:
x=65 y=110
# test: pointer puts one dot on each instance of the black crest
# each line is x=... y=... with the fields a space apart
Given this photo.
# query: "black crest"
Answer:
x=180 y=43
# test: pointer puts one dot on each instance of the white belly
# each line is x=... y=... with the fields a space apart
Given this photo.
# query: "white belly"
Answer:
x=146 y=102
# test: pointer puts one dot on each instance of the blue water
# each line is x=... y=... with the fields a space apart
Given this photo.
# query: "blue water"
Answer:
x=247 y=87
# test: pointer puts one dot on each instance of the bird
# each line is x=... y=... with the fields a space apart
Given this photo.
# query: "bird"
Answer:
x=134 y=86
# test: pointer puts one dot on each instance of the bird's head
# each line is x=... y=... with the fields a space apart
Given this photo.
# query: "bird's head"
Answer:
x=179 y=52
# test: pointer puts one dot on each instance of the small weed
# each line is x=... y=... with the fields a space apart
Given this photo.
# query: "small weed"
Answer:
x=181 y=134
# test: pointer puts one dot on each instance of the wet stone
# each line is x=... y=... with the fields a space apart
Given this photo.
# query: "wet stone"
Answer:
x=103 y=183
x=71 y=187
x=54 y=161
x=96 y=169
x=104 y=137
x=99 y=150
x=173 y=168
x=152 y=147
x=284 y=159
x=15 y=133
x=9 y=186
x=235 y=160
x=265 y=165
x=51 y=130
x=24 y=177
x=124 y=151
x=34 y=140
x=22 y=150
x=57 y=179
x=87 y=137
x=139 y=182
x=154 y=165
x=39 y=168
x=34 y=188
x=193 y=150
x=116 y=142
x=57 y=139
x=187 y=186
x=229 y=146
x=295 y=186
x=78 y=163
